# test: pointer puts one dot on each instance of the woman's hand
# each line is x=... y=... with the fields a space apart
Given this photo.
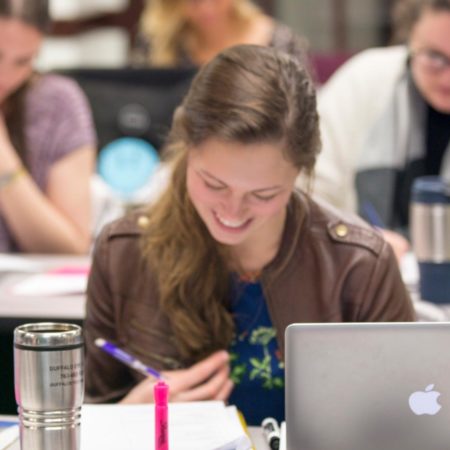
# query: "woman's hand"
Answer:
x=398 y=243
x=206 y=380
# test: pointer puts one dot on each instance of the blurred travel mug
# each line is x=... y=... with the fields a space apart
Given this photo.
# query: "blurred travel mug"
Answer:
x=49 y=385
x=430 y=234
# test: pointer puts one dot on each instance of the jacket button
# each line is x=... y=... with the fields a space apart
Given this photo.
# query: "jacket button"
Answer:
x=143 y=222
x=341 y=230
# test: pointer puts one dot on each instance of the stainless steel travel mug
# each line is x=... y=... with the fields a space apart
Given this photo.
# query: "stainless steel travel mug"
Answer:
x=430 y=233
x=49 y=385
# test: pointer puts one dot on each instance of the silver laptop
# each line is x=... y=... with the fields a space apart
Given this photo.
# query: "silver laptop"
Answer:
x=368 y=386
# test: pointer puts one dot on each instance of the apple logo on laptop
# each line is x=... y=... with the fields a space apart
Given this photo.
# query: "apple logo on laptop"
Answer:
x=425 y=402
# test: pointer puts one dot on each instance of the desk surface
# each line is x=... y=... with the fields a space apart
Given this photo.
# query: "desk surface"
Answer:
x=57 y=307
x=72 y=306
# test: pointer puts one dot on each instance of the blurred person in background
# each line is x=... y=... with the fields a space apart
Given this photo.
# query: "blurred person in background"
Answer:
x=47 y=143
x=188 y=33
x=385 y=120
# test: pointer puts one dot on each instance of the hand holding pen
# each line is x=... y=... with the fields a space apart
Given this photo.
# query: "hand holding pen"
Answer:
x=205 y=380
x=160 y=390
x=126 y=358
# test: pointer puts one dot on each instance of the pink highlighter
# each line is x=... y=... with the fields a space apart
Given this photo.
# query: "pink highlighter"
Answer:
x=161 y=395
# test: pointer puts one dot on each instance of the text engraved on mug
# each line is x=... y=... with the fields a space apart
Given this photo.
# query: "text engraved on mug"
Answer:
x=66 y=374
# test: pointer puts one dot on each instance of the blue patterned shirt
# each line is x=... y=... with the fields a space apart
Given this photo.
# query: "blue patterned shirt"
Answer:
x=256 y=367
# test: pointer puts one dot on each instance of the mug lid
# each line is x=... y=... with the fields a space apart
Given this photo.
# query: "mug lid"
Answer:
x=430 y=189
x=48 y=334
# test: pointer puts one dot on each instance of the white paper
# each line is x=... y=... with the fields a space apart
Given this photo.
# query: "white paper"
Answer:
x=192 y=426
x=50 y=284
x=8 y=435
x=13 y=263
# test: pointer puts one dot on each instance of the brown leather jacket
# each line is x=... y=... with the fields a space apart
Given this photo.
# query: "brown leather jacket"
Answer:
x=329 y=268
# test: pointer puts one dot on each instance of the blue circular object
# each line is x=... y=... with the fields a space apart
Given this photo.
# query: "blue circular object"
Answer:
x=126 y=164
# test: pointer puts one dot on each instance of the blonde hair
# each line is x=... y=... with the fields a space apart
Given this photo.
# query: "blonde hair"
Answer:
x=164 y=24
x=247 y=94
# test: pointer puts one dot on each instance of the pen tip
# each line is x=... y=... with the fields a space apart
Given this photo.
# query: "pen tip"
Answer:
x=99 y=342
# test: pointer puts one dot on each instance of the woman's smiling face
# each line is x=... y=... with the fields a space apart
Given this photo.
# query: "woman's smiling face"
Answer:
x=239 y=190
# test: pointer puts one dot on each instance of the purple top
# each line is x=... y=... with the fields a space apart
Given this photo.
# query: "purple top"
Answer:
x=58 y=121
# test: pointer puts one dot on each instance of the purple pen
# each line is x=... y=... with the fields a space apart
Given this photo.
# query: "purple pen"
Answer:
x=126 y=358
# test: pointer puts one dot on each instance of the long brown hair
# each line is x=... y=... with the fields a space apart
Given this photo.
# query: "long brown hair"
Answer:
x=406 y=13
x=36 y=14
x=247 y=94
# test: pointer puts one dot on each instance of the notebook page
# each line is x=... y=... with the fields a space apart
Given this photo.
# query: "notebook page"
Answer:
x=192 y=426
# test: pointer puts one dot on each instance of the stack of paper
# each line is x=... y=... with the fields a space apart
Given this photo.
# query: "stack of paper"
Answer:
x=192 y=426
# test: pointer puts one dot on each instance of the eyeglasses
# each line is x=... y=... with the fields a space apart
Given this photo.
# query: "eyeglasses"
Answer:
x=431 y=60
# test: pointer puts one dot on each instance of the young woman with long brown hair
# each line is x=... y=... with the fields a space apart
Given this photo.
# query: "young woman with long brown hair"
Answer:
x=203 y=283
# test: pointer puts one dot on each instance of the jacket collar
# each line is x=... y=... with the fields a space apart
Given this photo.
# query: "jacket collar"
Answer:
x=294 y=227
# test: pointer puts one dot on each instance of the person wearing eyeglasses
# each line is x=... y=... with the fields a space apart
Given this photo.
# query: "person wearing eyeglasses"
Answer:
x=385 y=120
